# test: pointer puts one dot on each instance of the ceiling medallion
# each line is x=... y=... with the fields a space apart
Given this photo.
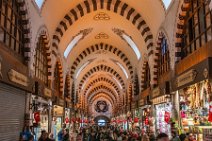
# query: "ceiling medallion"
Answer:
x=101 y=106
x=101 y=16
x=102 y=35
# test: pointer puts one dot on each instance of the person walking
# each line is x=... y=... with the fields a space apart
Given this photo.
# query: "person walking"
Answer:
x=65 y=135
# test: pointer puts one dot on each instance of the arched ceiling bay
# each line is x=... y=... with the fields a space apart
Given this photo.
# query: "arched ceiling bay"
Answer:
x=108 y=39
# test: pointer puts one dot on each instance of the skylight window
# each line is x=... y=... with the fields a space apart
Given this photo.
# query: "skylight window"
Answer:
x=123 y=69
x=132 y=45
x=117 y=82
x=83 y=66
x=167 y=3
x=72 y=44
x=39 y=3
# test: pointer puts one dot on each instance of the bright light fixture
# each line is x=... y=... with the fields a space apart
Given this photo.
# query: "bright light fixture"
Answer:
x=167 y=3
x=72 y=44
x=123 y=69
x=39 y=3
x=132 y=45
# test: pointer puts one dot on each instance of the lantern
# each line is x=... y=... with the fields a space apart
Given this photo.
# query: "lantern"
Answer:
x=66 y=120
x=136 y=119
x=37 y=117
x=167 y=117
x=210 y=114
x=146 y=121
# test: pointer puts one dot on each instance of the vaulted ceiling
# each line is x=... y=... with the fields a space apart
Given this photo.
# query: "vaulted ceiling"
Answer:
x=107 y=39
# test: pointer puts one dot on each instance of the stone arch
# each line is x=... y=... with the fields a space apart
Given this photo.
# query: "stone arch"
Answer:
x=43 y=32
x=60 y=69
x=179 y=29
x=102 y=79
x=26 y=25
x=116 y=6
x=98 y=48
x=101 y=68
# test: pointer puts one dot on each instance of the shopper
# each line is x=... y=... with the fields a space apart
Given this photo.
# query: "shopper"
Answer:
x=190 y=137
x=162 y=137
x=182 y=137
x=175 y=137
x=65 y=135
x=145 y=137
x=25 y=134
x=44 y=136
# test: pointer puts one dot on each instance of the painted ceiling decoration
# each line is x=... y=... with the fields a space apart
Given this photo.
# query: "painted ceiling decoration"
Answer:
x=102 y=35
x=116 y=6
x=101 y=16
x=101 y=106
x=81 y=35
x=101 y=48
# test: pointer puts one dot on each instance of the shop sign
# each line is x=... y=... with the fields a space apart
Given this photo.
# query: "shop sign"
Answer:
x=141 y=102
x=156 y=92
x=186 y=77
x=47 y=92
x=159 y=100
x=207 y=134
x=18 y=78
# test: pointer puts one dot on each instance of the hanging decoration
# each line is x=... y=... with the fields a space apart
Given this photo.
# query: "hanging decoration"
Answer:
x=210 y=113
x=167 y=117
x=37 y=117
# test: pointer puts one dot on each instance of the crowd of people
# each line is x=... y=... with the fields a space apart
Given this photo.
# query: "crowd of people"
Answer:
x=110 y=133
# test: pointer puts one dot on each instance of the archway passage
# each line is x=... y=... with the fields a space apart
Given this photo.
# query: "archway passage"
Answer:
x=102 y=120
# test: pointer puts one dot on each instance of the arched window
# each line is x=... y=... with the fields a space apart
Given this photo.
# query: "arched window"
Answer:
x=198 y=27
x=164 y=59
x=41 y=69
x=11 y=29
x=146 y=77
x=56 y=84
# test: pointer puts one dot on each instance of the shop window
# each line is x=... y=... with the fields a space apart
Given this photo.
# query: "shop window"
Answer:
x=164 y=59
x=11 y=29
x=198 y=27
x=146 y=77
x=41 y=66
x=56 y=84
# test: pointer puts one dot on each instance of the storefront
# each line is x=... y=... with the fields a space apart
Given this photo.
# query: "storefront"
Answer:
x=162 y=109
x=195 y=105
x=58 y=117
x=15 y=88
x=41 y=115
x=193 y=87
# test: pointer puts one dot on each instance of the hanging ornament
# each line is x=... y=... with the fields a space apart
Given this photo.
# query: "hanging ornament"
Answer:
x=146 y=121
x=37 y=117
x=66 y=120
x=210 y=113
x=167 y=117
x=136 y=119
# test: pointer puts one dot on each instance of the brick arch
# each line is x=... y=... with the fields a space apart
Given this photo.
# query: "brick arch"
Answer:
x=96 y=49
x=100 y=88
x=143 y=70
x=68 y=85
x=60 y=69
x=43 y=32
x=160 y=37
x=102 y=79
x=101 y=68
x=116 y=6
x=114 y=100
x=26 y=27
x=179 y=29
